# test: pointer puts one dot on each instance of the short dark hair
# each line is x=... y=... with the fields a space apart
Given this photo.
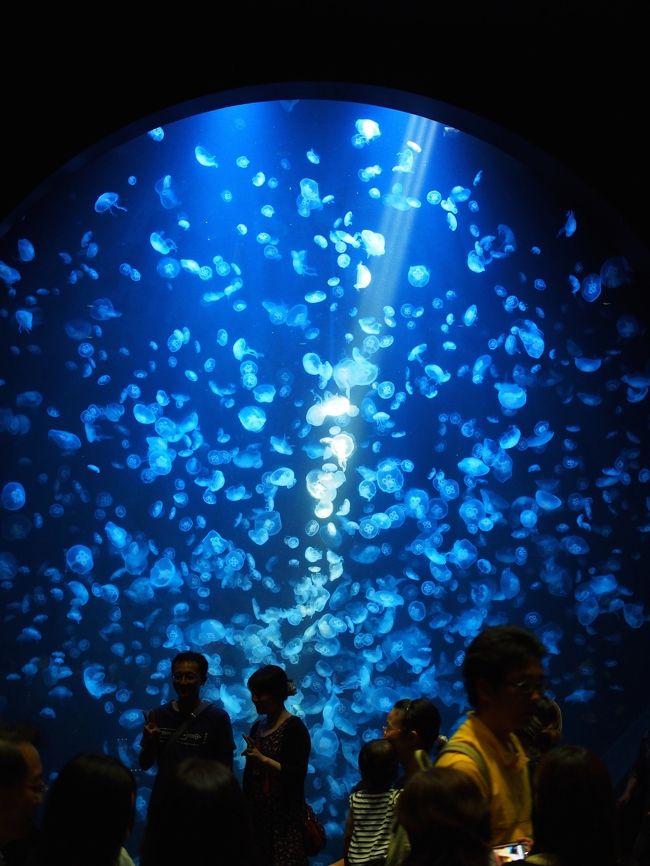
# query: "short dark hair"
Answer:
x=378 y=764
x=271 y=680
x=422 y=716
x=494 y=653
x=575 y=807
x=196 y=658
x=446 y=818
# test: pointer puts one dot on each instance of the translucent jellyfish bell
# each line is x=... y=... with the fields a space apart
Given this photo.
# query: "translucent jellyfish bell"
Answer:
x=368 y=129
x=341 y=446
x=419 y=276
x=332 y=407
x=252 y=418
x=108 y=201
x=79 y=559
x=364 y=277
x=240 y=348
x=13 y=496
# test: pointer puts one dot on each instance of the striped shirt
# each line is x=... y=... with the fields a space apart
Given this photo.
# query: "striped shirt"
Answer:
x=372 y=818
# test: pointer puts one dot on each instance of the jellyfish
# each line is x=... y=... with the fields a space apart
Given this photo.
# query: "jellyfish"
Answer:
x=163 y=187
x=252 y=418
x=283 y=477
x=205 y=158
x=531 y=337
x=419 y=275
x=118 y=536
x=570 y=225
x=300 y=266
x=160 y=244
x=13 y=496
x=240 y=348
x=26 y=251
x=309 y=198
x=25 y=320
x=341 y=446
x=367 y=130
x=374 y=243
x=463 y=553
x=591 y=287
x=108 y=201
x=8 y=274
x=102 y=309
x=364 y=277
x=94 y=677
x=79 y=559
x=66 y=441
x=511 y=396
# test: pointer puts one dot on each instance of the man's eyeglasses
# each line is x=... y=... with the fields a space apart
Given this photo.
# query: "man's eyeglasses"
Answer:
x=187 y=678
x=404 y=709
x=528 y=687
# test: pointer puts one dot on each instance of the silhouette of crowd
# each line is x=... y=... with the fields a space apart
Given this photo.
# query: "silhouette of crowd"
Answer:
x=503 y=786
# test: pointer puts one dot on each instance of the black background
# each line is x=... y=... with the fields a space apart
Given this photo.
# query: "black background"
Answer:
x=568 y=78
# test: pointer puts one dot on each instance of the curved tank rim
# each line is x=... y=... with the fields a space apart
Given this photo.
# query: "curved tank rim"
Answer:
x=558 y=176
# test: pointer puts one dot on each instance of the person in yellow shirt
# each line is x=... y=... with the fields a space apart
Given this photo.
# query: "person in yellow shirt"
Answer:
x=504 y=680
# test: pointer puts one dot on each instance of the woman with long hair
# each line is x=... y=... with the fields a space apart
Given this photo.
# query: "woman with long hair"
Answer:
x=277 y=752
x=413 y=730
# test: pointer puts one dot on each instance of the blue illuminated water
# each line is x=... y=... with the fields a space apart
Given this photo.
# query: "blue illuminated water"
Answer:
x=325 y=385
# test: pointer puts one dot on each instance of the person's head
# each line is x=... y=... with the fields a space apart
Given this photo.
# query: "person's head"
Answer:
x=269 y=687
x=575 y=807
x=412 y=725
x=189 y=673
x=378 y=764
x=201 y=802
x=443 y=813
x=89 y=811
x=503 y=674
x=21 y=777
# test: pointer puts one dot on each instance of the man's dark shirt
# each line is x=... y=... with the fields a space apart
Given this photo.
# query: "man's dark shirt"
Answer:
x=208 y=736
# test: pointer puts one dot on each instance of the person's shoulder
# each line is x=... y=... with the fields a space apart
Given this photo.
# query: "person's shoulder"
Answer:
x=216 y=712
x=467 y=730
x=296 y=722
x=124 y=858
x=164 y=710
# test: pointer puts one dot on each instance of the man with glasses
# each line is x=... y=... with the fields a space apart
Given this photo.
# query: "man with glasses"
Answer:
x=21 y=793
x=504 y=681
x=187 y=726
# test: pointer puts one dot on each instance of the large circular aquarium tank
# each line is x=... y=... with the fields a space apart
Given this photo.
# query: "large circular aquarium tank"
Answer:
x=326 y=381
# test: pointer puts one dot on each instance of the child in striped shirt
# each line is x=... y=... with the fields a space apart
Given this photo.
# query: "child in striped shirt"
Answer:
x=372 y=806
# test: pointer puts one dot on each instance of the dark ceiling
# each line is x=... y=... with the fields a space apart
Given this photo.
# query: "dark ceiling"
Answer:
x=568 y=78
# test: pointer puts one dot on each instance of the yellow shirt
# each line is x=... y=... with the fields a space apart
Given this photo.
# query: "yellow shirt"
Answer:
x=508 y=794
